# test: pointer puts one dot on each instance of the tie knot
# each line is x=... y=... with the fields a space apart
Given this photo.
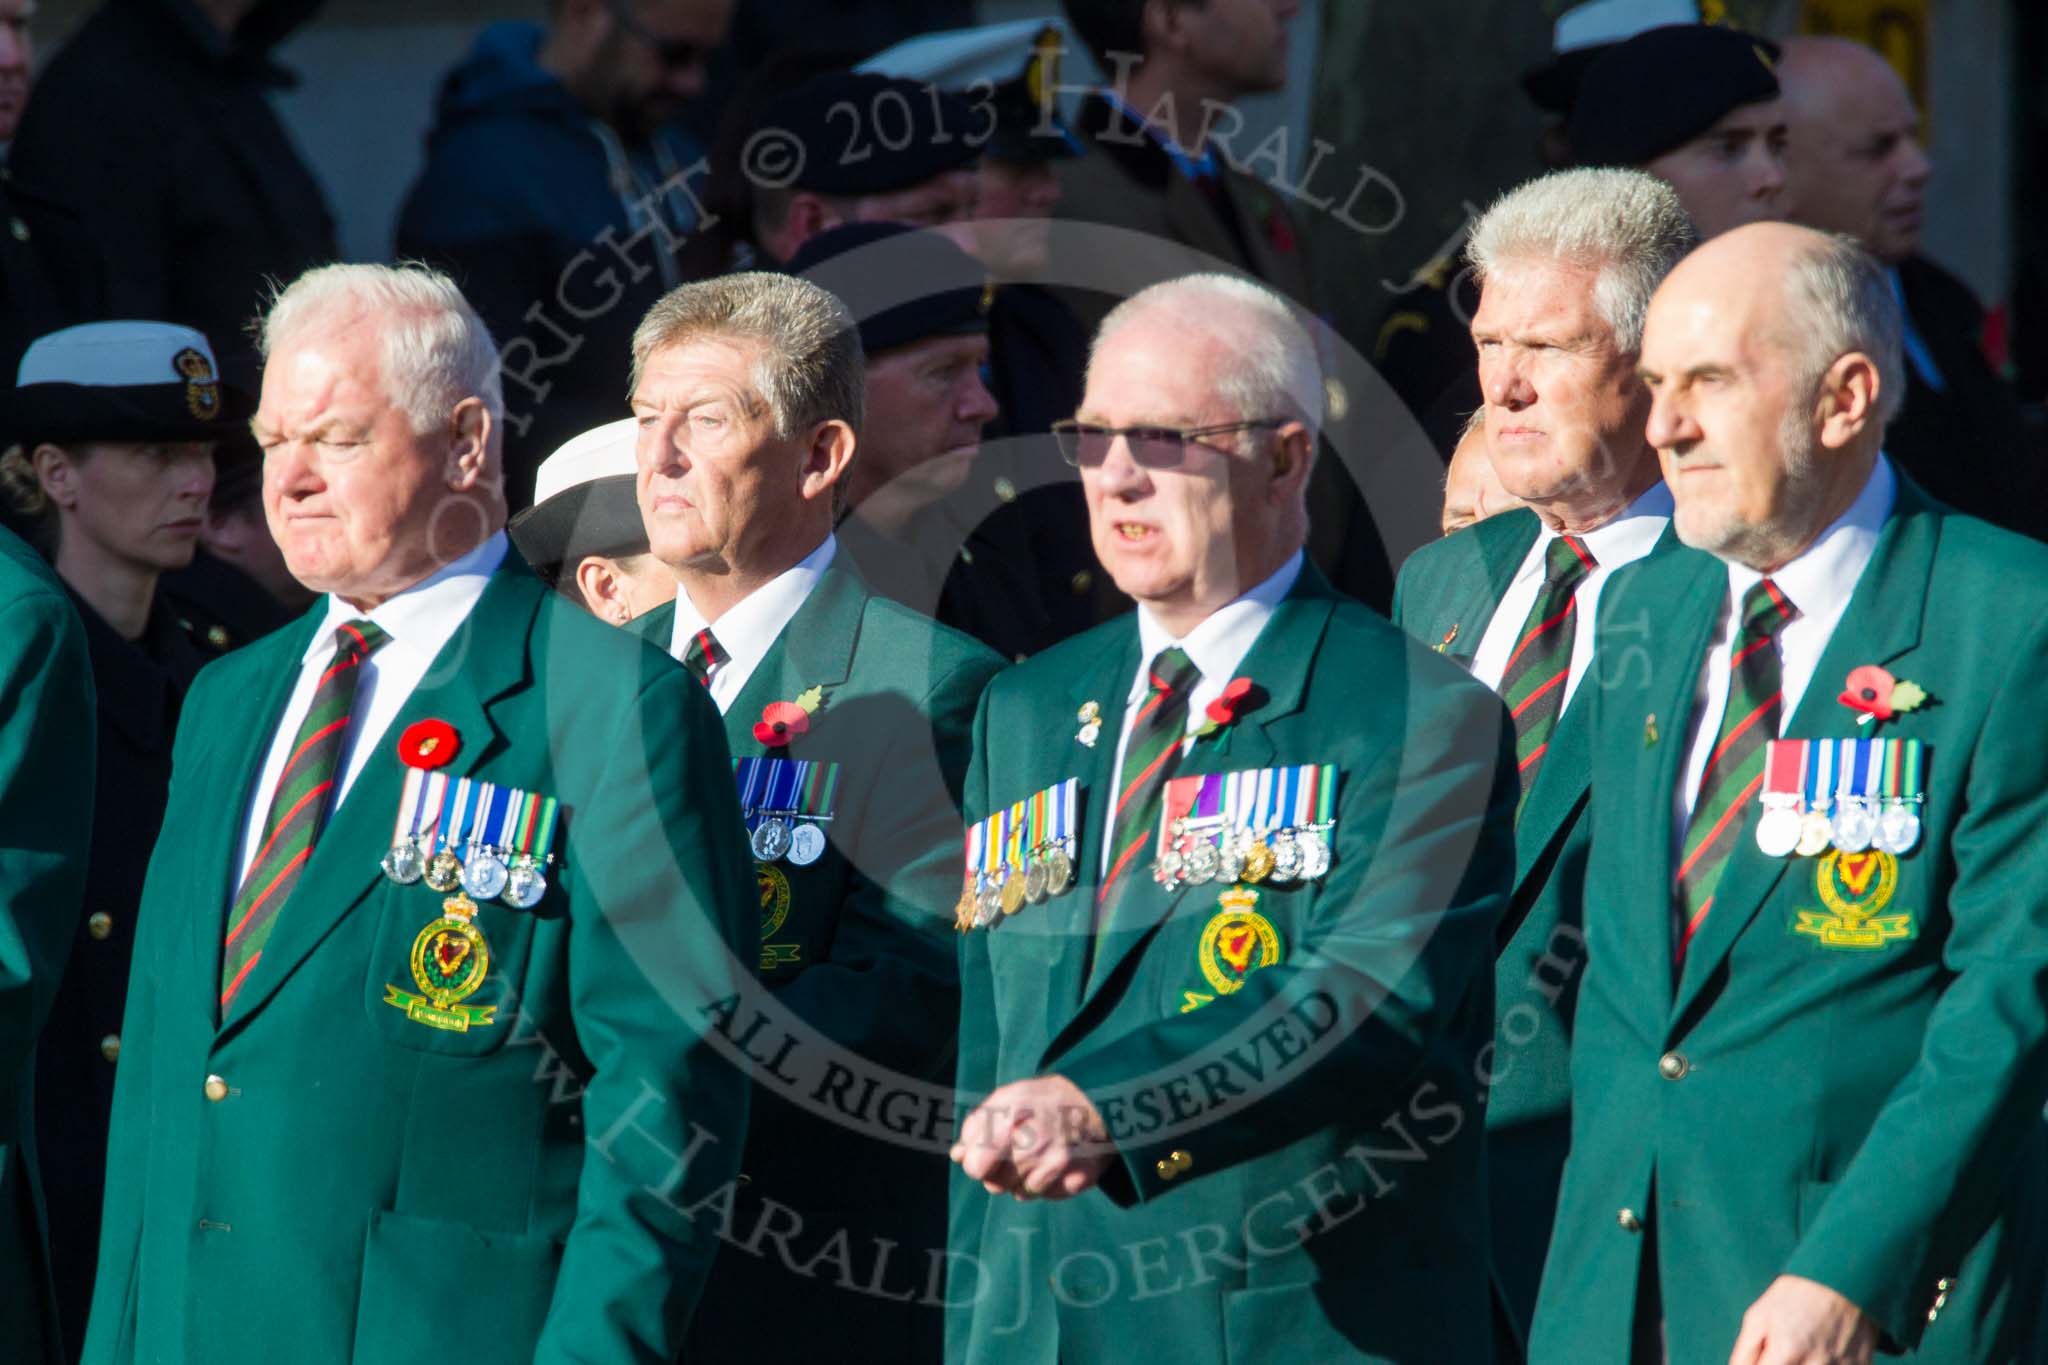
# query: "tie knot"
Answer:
x=705 y=655
x=1174 y=672
x=1765 y=612
x=358 y=640
x=1567 y=561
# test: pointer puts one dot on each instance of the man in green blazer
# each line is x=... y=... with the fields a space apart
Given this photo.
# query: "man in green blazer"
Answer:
x=1224 y=1011
x=426 y=1042
x=748 y=390
x=1811 y=1048
x=1566 y=267
x=46 y=792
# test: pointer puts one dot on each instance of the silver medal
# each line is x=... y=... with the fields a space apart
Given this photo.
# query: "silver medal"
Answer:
x=524 y=884
x=484 y=875
x=1816 y=832
x=1286 y=857
x=806 y=844
x=771 y=839
x=1315 y=855
x=1170 y=867
x=1855 y=826
x=1229 y=862
x=1777 y=833
x=1059 y=871
x=1202 y=863
x=404 y=863
x=1898 y=829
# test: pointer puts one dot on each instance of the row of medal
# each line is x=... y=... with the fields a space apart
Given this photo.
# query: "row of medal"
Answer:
x=1257 y=825
x=1845 y=794
x=491 y=842
x=1020 y=855
x=785 y=800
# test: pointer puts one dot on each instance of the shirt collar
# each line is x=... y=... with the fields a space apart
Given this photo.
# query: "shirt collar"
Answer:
x=1218 y=645
x=1194 y=165
x=749 y=628
x=424 y=616
x=1623 y=540
x=1820 y=581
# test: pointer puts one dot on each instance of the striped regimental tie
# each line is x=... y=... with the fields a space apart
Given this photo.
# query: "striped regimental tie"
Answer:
x=298 y=809
x=1158 y=728
x=704 y=656
x=1533 y=683
x=1735 y=769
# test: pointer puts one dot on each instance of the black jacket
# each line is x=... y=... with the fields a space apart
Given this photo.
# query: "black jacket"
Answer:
x=141 y=685
x=158 y=130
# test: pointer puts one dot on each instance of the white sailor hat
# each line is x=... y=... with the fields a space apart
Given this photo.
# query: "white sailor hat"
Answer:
x=1017 y=65
x=1585 y=31
x=122 y=381
x=583 y=500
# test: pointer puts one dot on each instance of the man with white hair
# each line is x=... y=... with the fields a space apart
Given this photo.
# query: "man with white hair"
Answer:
x=1811 y=1047
x=419 y=1041
x=1566 y=265
x=1233 y=993
x=847 y=714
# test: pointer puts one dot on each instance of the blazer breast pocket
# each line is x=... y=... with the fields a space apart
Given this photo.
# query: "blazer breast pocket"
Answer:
x=446 y=971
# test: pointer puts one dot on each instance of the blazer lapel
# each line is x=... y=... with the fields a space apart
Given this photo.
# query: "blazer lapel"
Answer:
x=1882 y=621
x=814 y=650
x=1278 y=661
x=487 y=658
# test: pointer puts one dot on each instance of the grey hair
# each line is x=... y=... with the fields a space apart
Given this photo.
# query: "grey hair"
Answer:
x=1628 y=226
x=1839 y=299
x=1276 y=371
x=811 y=368
x=435 y=350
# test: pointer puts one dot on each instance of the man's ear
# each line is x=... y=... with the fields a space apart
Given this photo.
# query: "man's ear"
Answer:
x=826 y=458
x=1293 y=456
x=602 y=588
x=1848 y=399
x=469 y=455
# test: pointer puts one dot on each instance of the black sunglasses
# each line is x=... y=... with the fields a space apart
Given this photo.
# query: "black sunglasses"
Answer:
x=674 y=53
x=1086 y=445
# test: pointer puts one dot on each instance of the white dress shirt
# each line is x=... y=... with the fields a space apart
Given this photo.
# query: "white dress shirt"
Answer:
x=420 y=621
x=749 y=628
x=1621 y=541
x=1819 y=583
x=1217 y=646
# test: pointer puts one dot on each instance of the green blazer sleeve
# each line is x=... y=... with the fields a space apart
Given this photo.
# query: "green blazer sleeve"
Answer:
x=664 y=903
x=1403 y=939
x=1928 y=1178
x=46 y=802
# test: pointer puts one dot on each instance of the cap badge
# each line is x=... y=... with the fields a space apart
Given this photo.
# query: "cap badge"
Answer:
x=202 y=392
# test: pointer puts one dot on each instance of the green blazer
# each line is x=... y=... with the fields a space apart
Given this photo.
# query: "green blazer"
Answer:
x=1866 y=1118
x=46 y=794
x=1299 y=1172
x=364 y=1188
x=859 y=945
x=1447 y=594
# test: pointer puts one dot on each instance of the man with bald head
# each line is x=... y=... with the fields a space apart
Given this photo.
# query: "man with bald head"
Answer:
x=452 y=878
x=1259 y=940
x=1856 y=166
x=1811 y=1047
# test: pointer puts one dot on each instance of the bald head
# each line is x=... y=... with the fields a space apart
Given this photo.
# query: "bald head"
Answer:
x=1772 y=358
x=1853 y=153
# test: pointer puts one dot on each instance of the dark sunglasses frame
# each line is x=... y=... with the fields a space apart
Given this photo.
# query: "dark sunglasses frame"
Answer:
x=1151 y=447
x=673 y=53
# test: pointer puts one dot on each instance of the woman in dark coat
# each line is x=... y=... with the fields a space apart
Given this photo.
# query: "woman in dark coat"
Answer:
x=110 y=483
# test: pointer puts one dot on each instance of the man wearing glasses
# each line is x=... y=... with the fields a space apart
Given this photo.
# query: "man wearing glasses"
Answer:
x=559 y=190
x=1234 y=862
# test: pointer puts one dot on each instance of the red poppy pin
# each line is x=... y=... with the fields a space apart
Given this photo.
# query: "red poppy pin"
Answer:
x=783 y=721
x=1239 y=696
x=428 y=744
x=1878 y=695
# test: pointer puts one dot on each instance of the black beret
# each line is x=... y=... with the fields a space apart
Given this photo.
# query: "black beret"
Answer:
x=851 y=133
x=121 y=381
x=901 y=284
x=1554 y=86
x=1662 y=88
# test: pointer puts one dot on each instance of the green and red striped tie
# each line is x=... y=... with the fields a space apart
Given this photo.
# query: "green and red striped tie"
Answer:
x=703 y=656
x=1735 y=769
x=1158 y=728
x=1533 y=684
x=298 y=809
